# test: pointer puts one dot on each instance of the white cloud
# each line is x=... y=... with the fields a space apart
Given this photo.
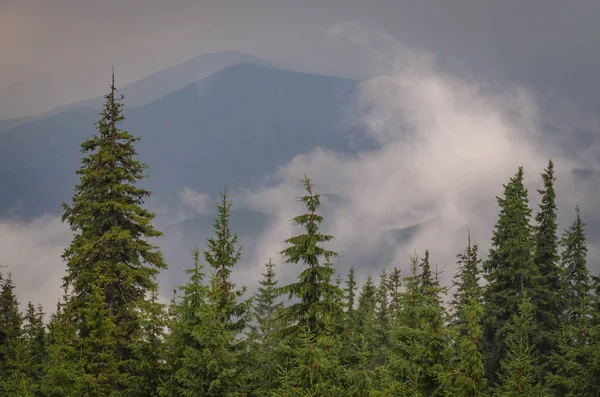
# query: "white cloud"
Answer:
x=198 y=202
x=31 y=251
x=447 y=145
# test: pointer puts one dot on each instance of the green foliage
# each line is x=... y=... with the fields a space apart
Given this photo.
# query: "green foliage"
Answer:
x=550 y=303
x=314 y=282
x=509 y=270
x=111 y=266
x=517 y=377
x=263 y=344
x=532 y=329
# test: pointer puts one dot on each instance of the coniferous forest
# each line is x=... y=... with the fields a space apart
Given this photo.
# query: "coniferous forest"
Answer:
x=523 y=322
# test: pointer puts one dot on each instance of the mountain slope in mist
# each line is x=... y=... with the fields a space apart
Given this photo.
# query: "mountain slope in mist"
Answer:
x=231 y=128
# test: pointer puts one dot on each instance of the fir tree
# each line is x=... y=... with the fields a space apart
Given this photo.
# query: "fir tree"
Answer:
x=577 y=282
x=350 y=291
x=34 y=333
x=10 y=329
x=263 y=341
x=509 y=270
x=111 y=266
x=64 y=374
x=426 y=276
x=549 y=299
x=466 y=282
x=517 y=377
x=314 y=282
x=311 y=340
x=571 y=361
x=150 y=372
x=466 y=375
x=184 y=345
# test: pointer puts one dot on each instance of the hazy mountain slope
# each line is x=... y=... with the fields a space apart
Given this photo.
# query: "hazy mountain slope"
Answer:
x=158 y=84
x=171 y=79
x=229 y=129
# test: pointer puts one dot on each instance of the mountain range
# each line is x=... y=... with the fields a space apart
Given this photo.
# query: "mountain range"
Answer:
x=223 y=119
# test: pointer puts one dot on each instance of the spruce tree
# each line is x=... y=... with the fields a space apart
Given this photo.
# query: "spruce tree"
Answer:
x=208 y=353
x=466 y=374
x=263 y=342
x=426 y=275
x=576 y=277
x=509 y=270
x=13 y=351
x=517 y=373
x=111 y=265
x=34 y=333
x=350 y=291
x=550 y=303
x=571 y=361
x=64 y=374
x=184 y=344
x=408 y=368
x=148 y=347
x=311 y=355
x=314 y=282
x=466 y=282
x=383 y=319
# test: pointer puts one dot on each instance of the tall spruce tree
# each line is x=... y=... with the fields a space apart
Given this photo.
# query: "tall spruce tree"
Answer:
x=576 y=278
x=314 y=282
x=311 y=338
x=111 y=265
x=550 y=303
x=509 y=270
x=571 y=361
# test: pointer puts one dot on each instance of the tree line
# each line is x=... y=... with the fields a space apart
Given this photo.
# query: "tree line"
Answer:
x=523 y=322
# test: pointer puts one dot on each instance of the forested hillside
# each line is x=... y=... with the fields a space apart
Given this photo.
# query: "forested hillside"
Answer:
x=523 y=322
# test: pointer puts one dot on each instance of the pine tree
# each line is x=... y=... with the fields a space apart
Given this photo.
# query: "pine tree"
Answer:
x=577 y=282
x=150 y=372
x=64 y=374
x=383 y=319
x=466 y=282
x=314 y=282
x=16 y=382
x=111 y=266
x=410 y=356
x=509 y=270
x=350 y=291
x=466 y=375
x=549 y=299
x=10 y=323
x=311 y=340
x=571 y=361
x=222 y=254
x=184 y=344
x=208 y=352
x=34 y=332
x=426 y=276
x=394 y=286
x=263 y=343
x=518 y=377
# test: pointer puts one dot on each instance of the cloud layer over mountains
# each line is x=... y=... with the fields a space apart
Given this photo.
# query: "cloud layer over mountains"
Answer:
x=445 y=146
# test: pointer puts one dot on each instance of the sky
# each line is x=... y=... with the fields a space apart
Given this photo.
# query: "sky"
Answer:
x=54 y=52
x=457 y=96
